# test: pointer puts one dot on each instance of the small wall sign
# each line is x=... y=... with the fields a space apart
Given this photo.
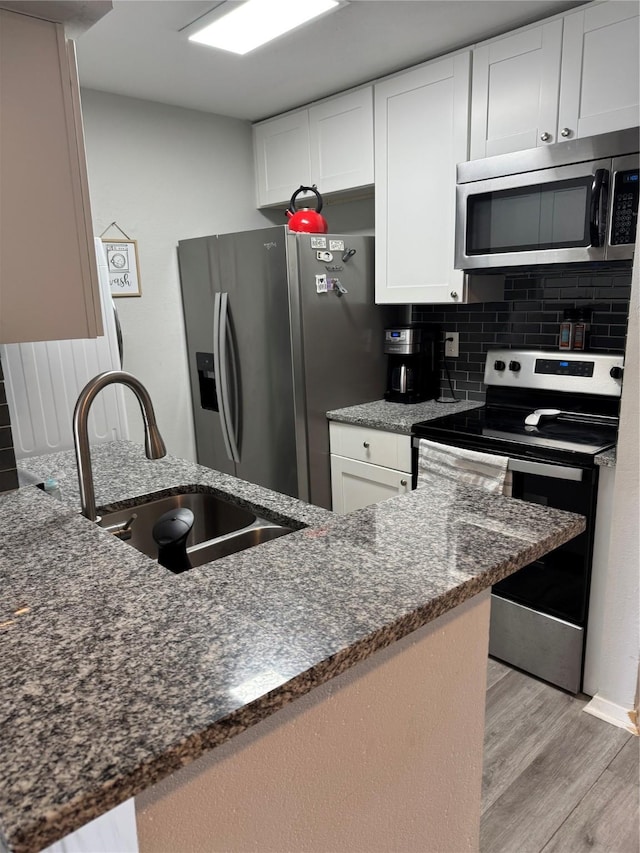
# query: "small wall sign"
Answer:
x=122 y=260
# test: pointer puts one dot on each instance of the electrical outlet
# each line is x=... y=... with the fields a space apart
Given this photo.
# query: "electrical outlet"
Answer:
x=451 y=347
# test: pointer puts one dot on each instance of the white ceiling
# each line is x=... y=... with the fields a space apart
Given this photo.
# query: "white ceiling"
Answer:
x=137 y=50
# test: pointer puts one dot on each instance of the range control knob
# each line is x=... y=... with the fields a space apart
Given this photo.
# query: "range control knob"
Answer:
x=515 y=366
x=616 y=372
x=498 y=365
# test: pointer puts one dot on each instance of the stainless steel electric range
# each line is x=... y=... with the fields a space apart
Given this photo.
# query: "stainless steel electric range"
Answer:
x=551 y=414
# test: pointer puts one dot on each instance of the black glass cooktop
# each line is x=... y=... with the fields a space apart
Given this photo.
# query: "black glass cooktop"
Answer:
x=569 y=438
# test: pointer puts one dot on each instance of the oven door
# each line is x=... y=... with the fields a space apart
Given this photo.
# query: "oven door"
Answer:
x=549 y=216
x=539 y=613
x=558 y=583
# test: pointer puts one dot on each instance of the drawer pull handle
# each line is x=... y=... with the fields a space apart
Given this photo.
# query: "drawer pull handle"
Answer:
x=403 y=482
x=366 y=444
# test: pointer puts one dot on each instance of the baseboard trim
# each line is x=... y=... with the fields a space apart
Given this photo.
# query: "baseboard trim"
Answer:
x=624 y=718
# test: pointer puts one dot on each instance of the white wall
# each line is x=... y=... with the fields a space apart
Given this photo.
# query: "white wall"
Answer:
x=617 y=696
x=164 y=174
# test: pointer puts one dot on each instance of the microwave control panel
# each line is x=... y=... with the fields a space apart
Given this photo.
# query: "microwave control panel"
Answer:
x=624 y=214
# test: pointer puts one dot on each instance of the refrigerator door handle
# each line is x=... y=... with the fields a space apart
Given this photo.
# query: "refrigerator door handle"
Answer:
x=223 y=375
x=217 y=301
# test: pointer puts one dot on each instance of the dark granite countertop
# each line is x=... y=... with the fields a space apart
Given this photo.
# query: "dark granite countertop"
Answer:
x=116 y=672
x=400 y=417
x=607 y=459
x=397 y=417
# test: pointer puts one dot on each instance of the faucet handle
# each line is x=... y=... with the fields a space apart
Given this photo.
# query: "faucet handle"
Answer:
x=123 y=531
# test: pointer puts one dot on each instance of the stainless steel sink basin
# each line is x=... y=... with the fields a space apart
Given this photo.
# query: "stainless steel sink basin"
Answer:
x=261 y=531
x=220 y=527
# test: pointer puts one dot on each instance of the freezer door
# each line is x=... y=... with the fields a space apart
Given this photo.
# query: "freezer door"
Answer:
x=199 y=281
x=338 y=346
x=253 y=272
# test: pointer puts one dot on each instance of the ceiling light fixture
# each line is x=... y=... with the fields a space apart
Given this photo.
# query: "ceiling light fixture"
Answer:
x=256 y=22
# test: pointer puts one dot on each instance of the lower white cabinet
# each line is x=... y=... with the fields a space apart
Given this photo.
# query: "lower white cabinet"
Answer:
x=367 y=466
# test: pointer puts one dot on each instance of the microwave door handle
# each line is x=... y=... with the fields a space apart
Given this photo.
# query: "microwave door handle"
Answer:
x=600 y=179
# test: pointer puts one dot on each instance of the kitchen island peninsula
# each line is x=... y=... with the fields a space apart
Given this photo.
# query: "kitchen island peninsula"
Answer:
x=116 y=674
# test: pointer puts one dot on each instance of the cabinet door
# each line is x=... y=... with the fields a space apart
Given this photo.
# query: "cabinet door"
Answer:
x=514 y=104
x=281 y=149
x=421 y=133
x=48 y=273
x=341 y=139
x=357 y=484
x=599 y=87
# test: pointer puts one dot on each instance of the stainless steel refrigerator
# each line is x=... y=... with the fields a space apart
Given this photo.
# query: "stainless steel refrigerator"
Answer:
x=281 y=327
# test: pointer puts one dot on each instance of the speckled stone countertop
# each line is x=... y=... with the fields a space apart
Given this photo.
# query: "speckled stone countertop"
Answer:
x=116 y=672
x=397 y=417
x=607 y=459
x=400 y=417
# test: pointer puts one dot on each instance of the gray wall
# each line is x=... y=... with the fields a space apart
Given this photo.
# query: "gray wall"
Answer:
x=163 y=174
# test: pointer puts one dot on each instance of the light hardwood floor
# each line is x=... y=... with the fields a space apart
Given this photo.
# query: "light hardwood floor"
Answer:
x=555 y=780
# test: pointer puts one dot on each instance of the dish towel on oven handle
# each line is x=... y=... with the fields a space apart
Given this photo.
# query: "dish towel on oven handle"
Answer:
x=467 y=467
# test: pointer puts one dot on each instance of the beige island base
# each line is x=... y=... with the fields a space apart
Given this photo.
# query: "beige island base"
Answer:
x=385 y=757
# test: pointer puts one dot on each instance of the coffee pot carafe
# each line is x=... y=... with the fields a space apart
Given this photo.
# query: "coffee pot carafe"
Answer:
x=412 y=373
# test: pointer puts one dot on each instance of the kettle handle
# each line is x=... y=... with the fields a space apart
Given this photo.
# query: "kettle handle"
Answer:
x=292 y=203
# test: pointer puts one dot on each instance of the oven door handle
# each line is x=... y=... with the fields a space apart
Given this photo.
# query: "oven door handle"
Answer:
x=542 y=469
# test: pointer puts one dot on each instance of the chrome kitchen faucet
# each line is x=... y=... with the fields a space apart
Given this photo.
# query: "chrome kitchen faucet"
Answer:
x=153 y=443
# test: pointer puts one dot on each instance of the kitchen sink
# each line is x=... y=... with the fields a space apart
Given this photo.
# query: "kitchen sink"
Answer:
x=220 y=527
x=261 y=531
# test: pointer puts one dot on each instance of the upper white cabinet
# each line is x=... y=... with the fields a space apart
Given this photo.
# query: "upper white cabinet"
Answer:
x=566 y=78
x=341 y=141
x=48 y=275
x=282 y=158
x=599 y=80
x=515 y=91
x=421 y=133
x=330 y=144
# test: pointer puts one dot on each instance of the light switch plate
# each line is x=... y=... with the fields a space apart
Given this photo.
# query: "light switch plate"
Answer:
x=451 y=347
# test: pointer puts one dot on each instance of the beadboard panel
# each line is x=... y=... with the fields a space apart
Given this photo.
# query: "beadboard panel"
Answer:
x=43 y=381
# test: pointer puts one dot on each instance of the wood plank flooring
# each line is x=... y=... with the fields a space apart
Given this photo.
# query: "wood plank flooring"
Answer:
x=555 y=780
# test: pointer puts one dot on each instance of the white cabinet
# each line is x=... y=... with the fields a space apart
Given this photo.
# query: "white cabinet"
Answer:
x=282 y=159
x=421 y=133
x=48 y=275
x=514 y=103
x=330 y=144
x=367 y=466
x=569 y=77
x=599 y=81
x=341 y=141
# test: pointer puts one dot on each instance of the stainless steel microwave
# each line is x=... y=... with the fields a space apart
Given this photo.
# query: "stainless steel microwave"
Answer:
x=567 y=203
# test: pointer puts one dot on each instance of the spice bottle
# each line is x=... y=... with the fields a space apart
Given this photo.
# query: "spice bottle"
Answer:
x=581 y=330
x=567 y=331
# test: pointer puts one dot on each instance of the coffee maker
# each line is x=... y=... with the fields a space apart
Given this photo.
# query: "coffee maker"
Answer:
x=412 y=370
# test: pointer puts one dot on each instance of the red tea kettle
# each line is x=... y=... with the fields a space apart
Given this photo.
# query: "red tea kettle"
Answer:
x=307 y=219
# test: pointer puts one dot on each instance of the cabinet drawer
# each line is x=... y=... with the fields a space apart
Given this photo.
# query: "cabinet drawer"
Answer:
x=371 y=445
